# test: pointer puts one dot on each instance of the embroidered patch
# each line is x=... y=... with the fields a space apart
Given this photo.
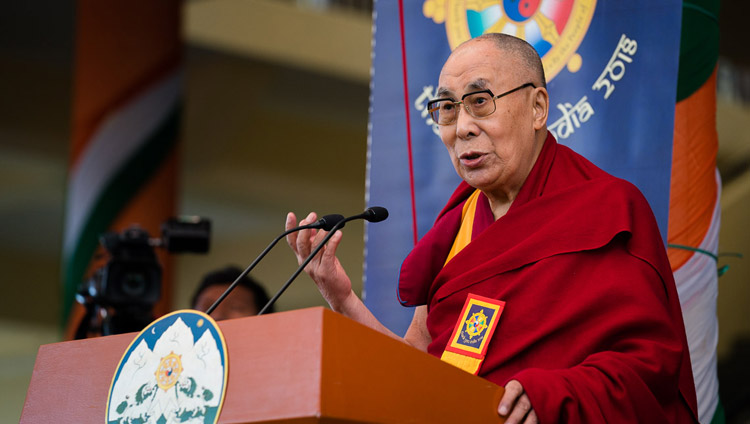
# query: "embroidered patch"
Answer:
x=475 y=327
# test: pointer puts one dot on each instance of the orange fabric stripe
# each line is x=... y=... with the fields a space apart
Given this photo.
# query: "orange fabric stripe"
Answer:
x=121 y=46
x=693 y=186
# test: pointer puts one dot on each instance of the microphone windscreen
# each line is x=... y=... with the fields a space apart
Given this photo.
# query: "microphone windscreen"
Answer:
x=329 y=221
x=376 y=214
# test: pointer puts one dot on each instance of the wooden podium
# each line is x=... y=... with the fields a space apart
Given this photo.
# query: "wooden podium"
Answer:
x=304 y=366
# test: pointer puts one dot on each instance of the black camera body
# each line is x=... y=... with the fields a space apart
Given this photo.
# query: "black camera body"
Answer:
x=125 y=290
x=133 y=274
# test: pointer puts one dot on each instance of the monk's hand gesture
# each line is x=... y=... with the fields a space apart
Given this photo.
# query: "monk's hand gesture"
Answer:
x=516 y=406
x=325 y=268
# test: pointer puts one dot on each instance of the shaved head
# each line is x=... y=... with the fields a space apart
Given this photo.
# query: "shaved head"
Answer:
x=518 y=48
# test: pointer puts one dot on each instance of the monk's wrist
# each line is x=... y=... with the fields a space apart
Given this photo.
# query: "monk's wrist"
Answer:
x=346 y=305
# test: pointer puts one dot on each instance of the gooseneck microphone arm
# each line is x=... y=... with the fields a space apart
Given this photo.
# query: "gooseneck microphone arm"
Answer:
x=373 y=214
x=327 y=223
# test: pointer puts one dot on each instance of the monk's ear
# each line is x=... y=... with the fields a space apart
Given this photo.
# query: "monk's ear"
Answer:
x=541 y=107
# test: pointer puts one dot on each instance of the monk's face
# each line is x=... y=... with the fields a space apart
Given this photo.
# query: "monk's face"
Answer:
x=496 y=153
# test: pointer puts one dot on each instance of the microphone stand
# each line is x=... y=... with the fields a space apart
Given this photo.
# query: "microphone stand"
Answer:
x=323 y=222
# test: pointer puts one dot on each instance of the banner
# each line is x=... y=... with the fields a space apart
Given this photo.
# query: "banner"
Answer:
x=126 y=114
x=694 y=208
x=611 y=68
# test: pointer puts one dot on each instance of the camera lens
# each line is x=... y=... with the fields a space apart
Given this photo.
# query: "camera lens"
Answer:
x=134 y=284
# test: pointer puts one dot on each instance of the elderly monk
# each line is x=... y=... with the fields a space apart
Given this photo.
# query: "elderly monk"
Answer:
x=566 y=261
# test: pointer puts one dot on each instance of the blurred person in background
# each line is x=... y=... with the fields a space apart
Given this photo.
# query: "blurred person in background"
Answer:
x=247 y=298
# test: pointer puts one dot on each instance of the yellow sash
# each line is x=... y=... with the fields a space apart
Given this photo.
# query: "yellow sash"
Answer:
x=463 y=238
x=468 y=344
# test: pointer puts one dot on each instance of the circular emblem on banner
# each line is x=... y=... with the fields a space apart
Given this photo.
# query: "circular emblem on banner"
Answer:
x=554 y=27
x=174 y=371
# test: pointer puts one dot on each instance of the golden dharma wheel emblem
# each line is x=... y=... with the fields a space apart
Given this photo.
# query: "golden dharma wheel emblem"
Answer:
x=169 y=371
x=476 y=324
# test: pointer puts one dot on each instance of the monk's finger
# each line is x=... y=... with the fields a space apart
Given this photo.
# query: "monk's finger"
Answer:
x=329 y=254
x=304 y=239
x=531 y=418
x=519 y=411
x=513 y=390
x=291 y=238
x=316 y=240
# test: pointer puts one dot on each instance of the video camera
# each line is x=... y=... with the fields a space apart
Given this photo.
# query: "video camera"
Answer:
x=124 y=291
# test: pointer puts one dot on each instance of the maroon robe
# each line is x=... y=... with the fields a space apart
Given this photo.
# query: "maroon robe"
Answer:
x=592 y=326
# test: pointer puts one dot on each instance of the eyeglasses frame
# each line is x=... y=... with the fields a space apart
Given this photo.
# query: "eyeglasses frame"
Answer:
x=460 y=102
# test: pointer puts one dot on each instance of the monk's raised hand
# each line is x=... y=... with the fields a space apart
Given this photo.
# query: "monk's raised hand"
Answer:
x=325 y=268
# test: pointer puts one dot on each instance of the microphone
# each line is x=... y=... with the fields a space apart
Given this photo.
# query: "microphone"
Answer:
x=372 y=214
x=327 y=223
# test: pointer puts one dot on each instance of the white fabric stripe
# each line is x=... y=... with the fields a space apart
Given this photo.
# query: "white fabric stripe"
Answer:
x=112 y=144
x=697 y=287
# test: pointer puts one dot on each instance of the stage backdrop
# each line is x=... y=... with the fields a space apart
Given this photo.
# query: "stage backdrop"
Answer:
x=611 y=70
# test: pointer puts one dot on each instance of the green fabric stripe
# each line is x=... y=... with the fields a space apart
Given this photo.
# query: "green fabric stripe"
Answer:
x=694 y=249
x=135 y=172
x=719 y=416
x=699 y=45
